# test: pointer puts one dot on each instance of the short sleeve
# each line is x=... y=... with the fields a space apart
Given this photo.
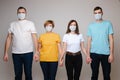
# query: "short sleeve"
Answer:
x=33 y=29
x=10 y=30
x=110 y=28
x=81 y=38
x=64 y=38
x=89 y=31
x=58 y=39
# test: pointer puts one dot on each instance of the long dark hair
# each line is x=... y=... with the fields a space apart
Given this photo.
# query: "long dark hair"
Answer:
x=77 y=29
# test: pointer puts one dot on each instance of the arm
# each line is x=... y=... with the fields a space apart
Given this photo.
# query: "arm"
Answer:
x=63 y=53
x=7 y=45
x=111 y=41
x=88 y=60
x=60 y=51
x=60 y=48
x=36 y=55
x=83 y=48
x=39 y=46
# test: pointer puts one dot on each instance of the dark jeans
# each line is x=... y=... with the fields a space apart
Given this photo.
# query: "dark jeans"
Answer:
x=49 y=70
x=20 y=61
x=73 y=66
x=106 y=66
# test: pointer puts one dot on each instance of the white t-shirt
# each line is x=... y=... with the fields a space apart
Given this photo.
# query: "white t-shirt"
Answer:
x=73 y=42
x=21 y=34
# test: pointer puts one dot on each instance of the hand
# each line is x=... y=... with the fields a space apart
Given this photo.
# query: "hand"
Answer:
x=88 y=60
x=61 y=62
x=5 y=58
x=110 y=58
x=36 y=57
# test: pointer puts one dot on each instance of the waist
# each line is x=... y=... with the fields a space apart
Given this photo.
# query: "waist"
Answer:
x=73 y=54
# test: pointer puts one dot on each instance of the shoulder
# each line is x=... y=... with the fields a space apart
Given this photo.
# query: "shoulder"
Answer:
x=14 y=22
x=80 y=35
x=66 y=35
x=91 y=24
x=43 y=34
x=55 y=34
x=30 y=22
x=107 y=22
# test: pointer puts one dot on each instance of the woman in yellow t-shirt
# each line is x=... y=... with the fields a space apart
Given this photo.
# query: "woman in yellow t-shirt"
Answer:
x=49 y=46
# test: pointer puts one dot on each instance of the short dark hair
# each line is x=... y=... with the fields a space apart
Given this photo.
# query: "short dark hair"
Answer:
x=97 y=8
x=77 y=29
x=21 y=8
x=49 y=22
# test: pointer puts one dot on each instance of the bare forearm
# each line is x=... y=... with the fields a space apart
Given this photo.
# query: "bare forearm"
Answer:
x=111 y=44
x=7 y=43
x=35 y=42
x=83 y=48
x=88 y=46
x=84 y=51
x=64 y=50
x=59 y=48
x=88 y=50
x=36 y=45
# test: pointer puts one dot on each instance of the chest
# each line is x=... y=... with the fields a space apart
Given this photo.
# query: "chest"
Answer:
x=21 y=29
x=100 y=30
x=73 y=39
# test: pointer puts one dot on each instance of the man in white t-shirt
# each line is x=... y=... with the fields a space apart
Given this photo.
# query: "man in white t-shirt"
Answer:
x=22 y=34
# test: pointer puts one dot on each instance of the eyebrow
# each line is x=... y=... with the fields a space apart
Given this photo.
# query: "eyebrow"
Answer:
x=21 y=12
x=97 y=12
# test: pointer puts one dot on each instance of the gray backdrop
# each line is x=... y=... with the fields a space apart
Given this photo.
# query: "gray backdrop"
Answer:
x=61 y=11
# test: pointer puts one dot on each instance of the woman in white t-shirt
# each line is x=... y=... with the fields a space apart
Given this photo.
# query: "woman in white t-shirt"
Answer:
x=73 y=43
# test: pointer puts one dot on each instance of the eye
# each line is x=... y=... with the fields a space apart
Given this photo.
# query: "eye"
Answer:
x=99 y=12
x=21 y=12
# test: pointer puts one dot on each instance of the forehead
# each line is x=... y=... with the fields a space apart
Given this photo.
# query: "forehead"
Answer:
x=97 y=10
x=21 y=10
x=49 y=24
x=73 y=22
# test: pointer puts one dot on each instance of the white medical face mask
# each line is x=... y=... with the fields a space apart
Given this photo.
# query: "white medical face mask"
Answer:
x=21 y=16
x=98 y=16
x=48 y=28
x=72 y=28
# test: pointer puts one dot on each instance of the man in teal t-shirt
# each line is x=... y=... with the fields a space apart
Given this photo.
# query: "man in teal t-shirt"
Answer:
x=100 y=45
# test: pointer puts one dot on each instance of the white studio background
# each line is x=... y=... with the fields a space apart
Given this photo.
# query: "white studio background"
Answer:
x=61 y=12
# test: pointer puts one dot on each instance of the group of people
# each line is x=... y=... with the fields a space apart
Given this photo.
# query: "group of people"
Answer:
x=50 y=50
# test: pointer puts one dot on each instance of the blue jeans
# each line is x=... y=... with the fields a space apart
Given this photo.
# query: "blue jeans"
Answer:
x=49 y=70
x=20 y=61
x=106 y=66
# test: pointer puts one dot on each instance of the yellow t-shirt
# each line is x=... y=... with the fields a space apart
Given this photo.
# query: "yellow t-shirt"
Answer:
x=49 y=47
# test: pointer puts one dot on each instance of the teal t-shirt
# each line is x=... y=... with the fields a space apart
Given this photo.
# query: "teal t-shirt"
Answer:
x=99 y=32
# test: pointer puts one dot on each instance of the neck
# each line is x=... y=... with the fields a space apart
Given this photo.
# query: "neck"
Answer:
x=73 y=32
x=100 y=20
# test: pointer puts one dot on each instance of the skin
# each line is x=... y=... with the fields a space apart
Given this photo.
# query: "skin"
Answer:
x=9 y=40
x=111 y=41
